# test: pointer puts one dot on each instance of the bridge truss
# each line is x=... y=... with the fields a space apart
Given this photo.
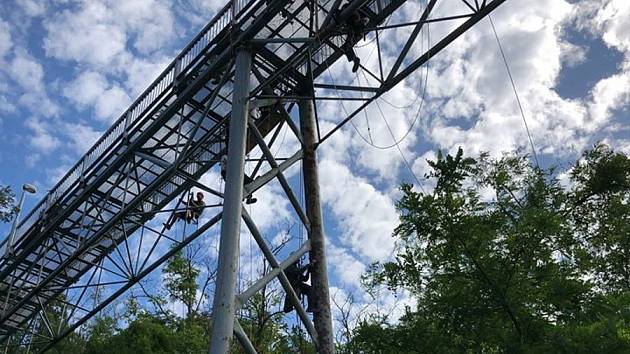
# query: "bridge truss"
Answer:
x=94 y=236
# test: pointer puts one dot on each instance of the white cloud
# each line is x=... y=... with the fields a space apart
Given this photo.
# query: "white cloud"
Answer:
x=32 y=8
x=613 y=19
x=97 y=32
x=139 y=72
x=366 y=216
x=81 y=136
x=272 y=208
x=571 y=54
x=347 y=268
x=609 y=94
x=478 y=84
x=42 y=140
x=6 y=42
x=27 y=72
x=91 y=89
x=151 y=21
x=198 y=12
x=5 y=105
x=88 y=35
x=39 y=103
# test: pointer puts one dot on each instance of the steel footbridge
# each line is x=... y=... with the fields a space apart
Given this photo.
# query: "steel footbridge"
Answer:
x=93 y=236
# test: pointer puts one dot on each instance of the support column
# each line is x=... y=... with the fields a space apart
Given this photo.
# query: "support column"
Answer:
x=223 y=309
x=317 y=256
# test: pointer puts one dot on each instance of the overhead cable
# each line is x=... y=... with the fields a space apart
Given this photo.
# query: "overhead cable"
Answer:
x=518 y=100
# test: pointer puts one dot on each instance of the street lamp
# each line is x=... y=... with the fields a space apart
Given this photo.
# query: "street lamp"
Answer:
x=26 y=188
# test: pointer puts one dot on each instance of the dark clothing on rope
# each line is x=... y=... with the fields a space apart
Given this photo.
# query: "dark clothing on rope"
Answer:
x=297 y=277
x=192 y=213
x=195 y=209
x=354 y=25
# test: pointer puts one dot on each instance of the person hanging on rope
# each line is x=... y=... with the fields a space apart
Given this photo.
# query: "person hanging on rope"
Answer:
x=297 y=278
x=246 y=179
x=193 y=211
x=355 y=27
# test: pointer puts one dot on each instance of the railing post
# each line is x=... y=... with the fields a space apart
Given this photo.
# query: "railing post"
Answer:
x=223 y=309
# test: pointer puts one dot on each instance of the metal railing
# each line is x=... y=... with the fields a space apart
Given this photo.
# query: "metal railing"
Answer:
x=182 y=64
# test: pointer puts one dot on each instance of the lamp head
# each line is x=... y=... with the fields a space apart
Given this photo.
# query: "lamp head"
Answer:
x=29 y=188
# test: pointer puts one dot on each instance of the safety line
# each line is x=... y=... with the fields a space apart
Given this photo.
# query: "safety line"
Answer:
x=518 y=100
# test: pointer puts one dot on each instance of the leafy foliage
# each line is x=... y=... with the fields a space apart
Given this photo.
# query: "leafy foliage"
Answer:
x=502 y=259
x=8 y=209
x=180 y=280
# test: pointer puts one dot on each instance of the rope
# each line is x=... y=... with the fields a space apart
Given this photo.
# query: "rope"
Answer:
x=518 y=100
x=416 y=117
x=396 y=143
x=399 y=149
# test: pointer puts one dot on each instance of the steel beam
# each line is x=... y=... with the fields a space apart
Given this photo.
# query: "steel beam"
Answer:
x=243 y=339
x=320 y=297
x=279 y=268
x=411 y=39
x=223 y=309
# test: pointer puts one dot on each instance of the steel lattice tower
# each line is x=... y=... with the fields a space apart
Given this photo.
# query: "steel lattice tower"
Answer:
x=267 y=56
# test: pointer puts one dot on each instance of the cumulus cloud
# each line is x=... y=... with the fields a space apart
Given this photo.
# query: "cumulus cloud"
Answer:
x=478 y=109
x=91 y=89
x=88 y=35
x=365 y=215
x=120 y=46
x=5 y=38
x=608 y=95
x=610 y=21
x=42 y=140
x=97 y=32
x=32 y=8
x=347 y=268
x=27 y=72
x=610 y=18
x=82 y=136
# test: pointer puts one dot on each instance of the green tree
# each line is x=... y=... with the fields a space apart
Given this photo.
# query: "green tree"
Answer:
x=502 y=259
x=180 y=281
x=601 y=215
x=7 y=204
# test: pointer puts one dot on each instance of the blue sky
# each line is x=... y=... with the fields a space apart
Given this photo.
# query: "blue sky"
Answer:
x=69 y=68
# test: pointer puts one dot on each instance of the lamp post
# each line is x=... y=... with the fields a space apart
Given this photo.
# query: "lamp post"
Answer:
x=26 y=188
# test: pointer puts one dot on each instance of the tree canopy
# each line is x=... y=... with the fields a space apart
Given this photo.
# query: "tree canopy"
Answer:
x=502 y=257
x=7 y=204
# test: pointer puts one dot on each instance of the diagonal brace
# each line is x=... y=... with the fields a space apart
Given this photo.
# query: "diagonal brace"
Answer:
x=281 y=276
x=410 y=40
x=283 y=181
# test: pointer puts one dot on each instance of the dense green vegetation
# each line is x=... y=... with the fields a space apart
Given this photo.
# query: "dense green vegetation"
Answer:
x=502 y=258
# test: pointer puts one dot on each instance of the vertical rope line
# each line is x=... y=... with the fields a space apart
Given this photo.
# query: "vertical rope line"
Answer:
x=518 y=100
